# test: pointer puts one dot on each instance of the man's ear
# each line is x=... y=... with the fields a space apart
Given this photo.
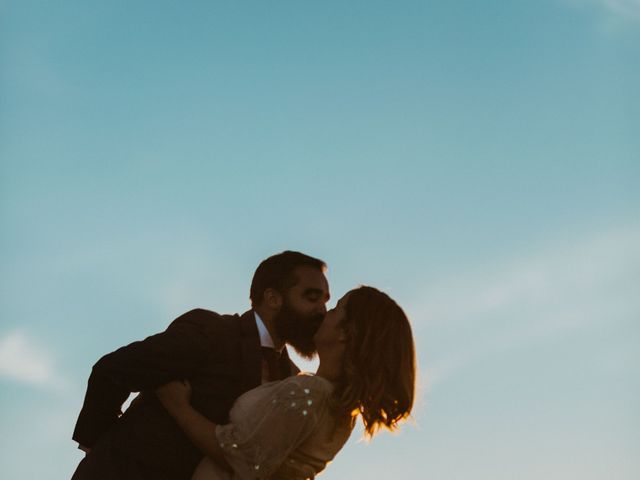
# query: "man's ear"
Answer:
x=273 y=299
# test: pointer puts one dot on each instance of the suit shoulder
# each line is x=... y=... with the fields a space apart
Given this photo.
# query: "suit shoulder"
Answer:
x=199 y=313
x=202 y=318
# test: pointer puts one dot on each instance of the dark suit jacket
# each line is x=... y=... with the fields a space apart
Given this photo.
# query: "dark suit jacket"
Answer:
x=219 y=354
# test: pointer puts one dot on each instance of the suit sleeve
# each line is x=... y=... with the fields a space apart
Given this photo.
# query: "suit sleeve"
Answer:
x=173 y=354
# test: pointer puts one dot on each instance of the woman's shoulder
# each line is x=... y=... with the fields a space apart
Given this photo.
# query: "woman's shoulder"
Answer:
x=310 y=381
x=305 y=386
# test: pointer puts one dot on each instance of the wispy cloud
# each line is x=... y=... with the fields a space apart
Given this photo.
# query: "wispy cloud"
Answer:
x=626 y=8
x=614 y=11
x=578 y=285
x=22 y=360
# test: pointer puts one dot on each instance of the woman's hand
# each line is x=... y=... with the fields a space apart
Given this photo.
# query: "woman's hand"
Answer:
x=174 y=395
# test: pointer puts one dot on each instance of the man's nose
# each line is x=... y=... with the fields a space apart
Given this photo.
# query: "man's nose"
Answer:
x=323 y=309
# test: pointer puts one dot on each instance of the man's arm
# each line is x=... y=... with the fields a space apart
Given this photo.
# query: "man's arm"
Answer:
x=143 y=365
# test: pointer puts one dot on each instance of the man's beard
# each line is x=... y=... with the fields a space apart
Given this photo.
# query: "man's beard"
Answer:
x=298 y=330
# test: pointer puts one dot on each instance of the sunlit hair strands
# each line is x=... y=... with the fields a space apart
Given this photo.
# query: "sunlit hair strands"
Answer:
x=378 y=377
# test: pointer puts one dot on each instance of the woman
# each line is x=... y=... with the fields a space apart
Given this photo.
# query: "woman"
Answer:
x=292 y=428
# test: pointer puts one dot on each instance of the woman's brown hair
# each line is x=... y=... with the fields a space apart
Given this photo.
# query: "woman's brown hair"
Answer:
x=378 y=379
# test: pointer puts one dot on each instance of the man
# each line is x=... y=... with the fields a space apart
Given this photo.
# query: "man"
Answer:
x=220 y=355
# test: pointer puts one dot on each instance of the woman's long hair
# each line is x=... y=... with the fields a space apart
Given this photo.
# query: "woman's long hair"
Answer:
x=378 y=379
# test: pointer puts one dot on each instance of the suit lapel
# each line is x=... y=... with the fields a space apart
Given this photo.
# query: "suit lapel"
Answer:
x=251 y=354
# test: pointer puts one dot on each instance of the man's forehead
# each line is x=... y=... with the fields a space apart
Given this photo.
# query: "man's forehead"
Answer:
x=308 y=277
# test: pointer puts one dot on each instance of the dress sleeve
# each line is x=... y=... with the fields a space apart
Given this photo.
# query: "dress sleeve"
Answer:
x=257 y=444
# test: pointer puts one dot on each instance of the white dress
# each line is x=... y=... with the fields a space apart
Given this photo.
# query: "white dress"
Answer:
x=280 y=430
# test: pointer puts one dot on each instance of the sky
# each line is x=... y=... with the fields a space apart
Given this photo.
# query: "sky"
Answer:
x=478 y=161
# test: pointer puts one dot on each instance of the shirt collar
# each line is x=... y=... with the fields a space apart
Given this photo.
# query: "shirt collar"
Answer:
x=263 y=333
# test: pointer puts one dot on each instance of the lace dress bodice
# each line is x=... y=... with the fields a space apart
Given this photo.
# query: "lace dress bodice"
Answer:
x=281 y=430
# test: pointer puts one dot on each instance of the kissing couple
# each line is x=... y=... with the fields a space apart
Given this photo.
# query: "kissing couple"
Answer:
x=221 y=400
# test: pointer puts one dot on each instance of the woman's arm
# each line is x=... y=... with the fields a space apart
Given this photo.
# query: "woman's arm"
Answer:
x=175 y=397
x=280 y=418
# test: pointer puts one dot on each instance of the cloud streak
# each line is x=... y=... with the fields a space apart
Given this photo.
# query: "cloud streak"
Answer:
x=23 y=361
x=625 y=10
x=585 y=284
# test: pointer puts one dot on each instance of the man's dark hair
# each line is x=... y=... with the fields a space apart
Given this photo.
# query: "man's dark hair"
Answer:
x=277 y=272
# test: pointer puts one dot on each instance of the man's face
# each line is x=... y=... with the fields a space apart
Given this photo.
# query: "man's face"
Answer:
x=303 y=308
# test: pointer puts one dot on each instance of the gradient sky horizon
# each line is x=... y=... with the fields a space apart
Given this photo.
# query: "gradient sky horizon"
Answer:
x=479 y=162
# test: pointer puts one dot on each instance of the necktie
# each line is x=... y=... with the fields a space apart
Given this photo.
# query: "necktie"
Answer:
x=272 y=358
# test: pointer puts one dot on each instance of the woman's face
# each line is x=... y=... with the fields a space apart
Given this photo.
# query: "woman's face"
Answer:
x=331 y=332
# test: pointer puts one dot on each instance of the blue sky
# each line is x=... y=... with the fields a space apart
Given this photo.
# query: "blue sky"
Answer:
x=477 y=161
